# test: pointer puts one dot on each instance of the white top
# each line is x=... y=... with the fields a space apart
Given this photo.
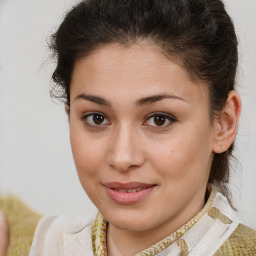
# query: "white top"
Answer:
x=66 y=236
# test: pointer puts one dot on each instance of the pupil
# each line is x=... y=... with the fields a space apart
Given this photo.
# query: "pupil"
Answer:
x=98 y=119
x=159 y=120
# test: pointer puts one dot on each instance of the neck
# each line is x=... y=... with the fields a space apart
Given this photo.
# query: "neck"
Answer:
x=127 y=243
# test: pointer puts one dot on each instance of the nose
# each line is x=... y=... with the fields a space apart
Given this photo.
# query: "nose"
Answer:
x=126 y=149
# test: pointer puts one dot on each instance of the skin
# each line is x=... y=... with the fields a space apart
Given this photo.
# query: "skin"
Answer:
x=4 y=234
x=130 y=146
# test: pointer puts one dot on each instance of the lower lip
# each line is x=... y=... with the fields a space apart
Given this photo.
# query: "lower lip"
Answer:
x=127 y=198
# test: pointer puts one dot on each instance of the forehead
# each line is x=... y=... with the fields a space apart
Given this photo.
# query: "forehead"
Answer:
x=135 y=70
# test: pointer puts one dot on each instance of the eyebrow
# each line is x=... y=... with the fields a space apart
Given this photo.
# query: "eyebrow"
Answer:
x=144 y=101
x=155 y=98
x=94 y=99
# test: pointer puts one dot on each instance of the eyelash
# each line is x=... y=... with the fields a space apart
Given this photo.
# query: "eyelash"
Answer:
x=170 y=119
x=92 y=114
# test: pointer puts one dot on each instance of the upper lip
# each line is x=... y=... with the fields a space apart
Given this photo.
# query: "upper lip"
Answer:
x=129 y=185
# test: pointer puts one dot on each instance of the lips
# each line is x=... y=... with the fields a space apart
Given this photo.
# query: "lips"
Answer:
x=128 y=193
x=129 y=190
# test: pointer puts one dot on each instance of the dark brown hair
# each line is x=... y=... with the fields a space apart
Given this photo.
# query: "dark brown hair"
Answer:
x=197 y=33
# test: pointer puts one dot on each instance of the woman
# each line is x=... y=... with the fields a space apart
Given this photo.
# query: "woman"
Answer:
x=149 y=93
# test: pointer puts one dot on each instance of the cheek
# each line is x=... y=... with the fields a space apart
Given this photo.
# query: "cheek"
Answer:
x=186 y=154
x=86 y=153
x=88 y=161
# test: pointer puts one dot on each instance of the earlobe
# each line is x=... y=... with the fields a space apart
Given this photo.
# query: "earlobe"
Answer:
x=67 y=110
x=227 y=124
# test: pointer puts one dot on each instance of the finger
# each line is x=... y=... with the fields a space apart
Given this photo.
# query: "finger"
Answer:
x=4 y=234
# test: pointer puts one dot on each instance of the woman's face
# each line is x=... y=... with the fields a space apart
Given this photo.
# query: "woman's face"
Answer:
x=141 y=137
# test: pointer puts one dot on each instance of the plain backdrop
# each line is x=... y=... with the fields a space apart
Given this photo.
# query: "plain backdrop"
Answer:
x=35 y=157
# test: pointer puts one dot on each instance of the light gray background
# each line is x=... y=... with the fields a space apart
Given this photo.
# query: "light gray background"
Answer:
x=35 y=157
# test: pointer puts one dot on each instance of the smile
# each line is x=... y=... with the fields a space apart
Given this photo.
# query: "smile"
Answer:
x=128 y=193
x=129 y=190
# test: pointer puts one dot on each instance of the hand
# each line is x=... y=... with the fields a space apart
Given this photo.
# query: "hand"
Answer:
x=4 y=234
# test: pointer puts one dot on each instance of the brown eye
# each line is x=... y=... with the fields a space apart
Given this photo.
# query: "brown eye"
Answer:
x=98 y=119
x=159 y=120
x=95 y=119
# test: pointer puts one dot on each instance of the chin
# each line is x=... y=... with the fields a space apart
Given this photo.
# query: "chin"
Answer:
x=130 y=225
x=134 y=221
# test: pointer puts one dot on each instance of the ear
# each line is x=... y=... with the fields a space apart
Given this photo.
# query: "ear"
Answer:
x=67 y=110
x=227 y=123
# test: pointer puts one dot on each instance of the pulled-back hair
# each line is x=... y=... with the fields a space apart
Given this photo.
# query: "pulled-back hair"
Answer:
x=199 y=34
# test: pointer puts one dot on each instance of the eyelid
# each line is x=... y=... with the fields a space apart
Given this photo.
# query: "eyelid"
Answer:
x=168 y=116
x=171 y=118
x=88 y=114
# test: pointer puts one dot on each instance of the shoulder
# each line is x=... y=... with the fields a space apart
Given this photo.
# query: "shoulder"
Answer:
x=241 y=242
x=62 y=235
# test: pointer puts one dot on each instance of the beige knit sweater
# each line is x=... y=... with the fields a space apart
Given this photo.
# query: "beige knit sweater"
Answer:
x=22 y=223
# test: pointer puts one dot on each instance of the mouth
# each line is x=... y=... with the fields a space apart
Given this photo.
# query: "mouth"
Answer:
x=128 y=193
x=129 y=190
